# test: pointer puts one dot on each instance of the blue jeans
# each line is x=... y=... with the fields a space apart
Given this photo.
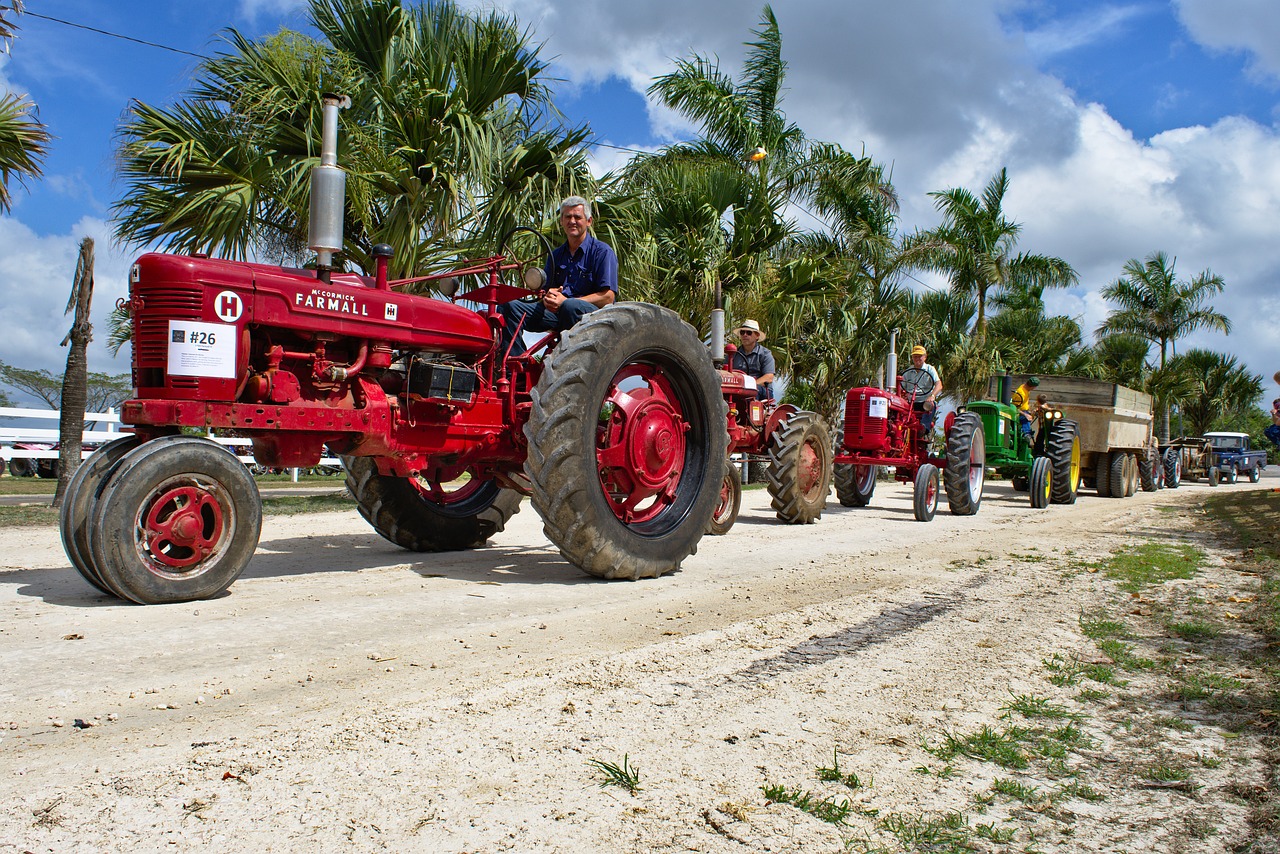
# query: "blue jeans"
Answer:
x=538 y=318
x=1273 y=433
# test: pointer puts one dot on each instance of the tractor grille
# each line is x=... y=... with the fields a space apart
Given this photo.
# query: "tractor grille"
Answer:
x=151 y=326
x=862 y=430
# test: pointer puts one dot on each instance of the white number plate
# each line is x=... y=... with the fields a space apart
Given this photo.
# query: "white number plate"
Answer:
x=199 y=349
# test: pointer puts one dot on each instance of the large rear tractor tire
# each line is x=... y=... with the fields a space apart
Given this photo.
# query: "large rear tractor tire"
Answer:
x=1041 y=482
x=855 y=484
x=177 y=520
x=925 y=495
x=966 y=465
x=1172 y=468
x=799 y=474
x=1064 y=458
x=424 y=517
x=627 y=442
x=726 y=512
x=77 y=506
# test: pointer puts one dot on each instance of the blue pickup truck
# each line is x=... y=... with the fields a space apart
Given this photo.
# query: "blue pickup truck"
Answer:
x=1233 y=457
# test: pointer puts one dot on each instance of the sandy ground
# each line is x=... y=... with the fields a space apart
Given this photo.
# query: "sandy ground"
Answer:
x=345 y=694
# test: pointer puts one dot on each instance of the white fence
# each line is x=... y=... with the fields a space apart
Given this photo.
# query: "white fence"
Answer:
x=101 y=427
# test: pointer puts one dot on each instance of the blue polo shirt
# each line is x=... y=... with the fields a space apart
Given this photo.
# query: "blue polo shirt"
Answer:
x=593 y=268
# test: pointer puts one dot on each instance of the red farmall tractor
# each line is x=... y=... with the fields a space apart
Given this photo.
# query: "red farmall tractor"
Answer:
x=796 y=443
x=882 y=427
x=614 y=428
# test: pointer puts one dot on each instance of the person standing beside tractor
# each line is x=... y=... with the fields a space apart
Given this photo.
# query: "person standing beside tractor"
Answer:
x=928 y=406
x=1022 y=400
x=581 y=277
x=754 y=358
x=1273 y=432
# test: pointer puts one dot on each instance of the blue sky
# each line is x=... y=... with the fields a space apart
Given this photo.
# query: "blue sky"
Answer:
x=1126 y=127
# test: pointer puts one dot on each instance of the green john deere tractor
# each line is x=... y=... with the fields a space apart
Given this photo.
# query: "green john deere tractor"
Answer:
x=1047 y=464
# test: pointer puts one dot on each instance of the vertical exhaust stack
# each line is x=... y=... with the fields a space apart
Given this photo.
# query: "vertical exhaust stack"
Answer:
x=717 y=328
x=891 y=364
x=328 y=191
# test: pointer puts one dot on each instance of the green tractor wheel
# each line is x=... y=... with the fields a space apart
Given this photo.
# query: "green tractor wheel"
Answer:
x=1041 y=482
x=1064 y=456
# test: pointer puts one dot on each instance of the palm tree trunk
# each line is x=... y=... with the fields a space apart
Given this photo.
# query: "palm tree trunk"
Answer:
x=76 y=379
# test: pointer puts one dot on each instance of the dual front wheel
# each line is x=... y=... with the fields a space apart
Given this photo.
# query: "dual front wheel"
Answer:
x=170 y=520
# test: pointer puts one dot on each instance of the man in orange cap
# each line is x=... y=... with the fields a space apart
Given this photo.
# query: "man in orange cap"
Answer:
x=930 y=401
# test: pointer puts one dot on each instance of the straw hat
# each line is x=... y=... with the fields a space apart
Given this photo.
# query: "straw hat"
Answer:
x=750 y=326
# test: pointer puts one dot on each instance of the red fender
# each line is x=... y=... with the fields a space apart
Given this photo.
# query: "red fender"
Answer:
x=780 y=414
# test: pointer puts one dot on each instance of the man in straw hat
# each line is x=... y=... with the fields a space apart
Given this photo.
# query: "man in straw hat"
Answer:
x=754 y=358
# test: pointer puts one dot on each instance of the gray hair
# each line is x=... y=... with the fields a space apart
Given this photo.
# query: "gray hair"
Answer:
x=576 y=201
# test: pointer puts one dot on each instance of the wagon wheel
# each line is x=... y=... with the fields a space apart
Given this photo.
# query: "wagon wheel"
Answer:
x=1173 y=468
x=178 y=519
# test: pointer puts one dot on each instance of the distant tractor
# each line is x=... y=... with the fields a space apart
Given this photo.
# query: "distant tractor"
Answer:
x=796 y=443
x=1118 y=452
x=882 y=427
x=1045 y=464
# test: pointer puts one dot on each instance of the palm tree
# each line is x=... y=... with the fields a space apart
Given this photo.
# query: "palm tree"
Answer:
x=450 y=139
x=1157 y=306
x=715 y=211
x=1122 y=359
x=1219 y=390
x=24 y=141
x=974 y=246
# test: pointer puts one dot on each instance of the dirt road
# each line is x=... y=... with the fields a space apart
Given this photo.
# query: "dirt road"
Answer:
x=347 y=693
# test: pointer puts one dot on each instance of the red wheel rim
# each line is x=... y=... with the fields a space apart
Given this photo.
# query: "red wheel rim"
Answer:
x=183 y=524
x=438 y=494
x=725 y=506
x=640 y=443
x=811 y=469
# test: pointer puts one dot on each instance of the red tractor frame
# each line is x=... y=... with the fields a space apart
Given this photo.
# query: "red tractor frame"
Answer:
x=883 y=427
x=796 y=443
x=615 y=428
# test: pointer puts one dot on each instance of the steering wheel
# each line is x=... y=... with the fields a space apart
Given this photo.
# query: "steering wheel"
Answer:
x=529 y=249
x=916 y=383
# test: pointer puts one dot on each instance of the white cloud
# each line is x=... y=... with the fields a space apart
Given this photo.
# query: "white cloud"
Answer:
x=1251 y=26
x=37 y=271
x=1092 y=27
x=254 y=10
x=946 y=94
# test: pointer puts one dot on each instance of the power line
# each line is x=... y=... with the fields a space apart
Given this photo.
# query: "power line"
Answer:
x=159 y=46
x=115 y=35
